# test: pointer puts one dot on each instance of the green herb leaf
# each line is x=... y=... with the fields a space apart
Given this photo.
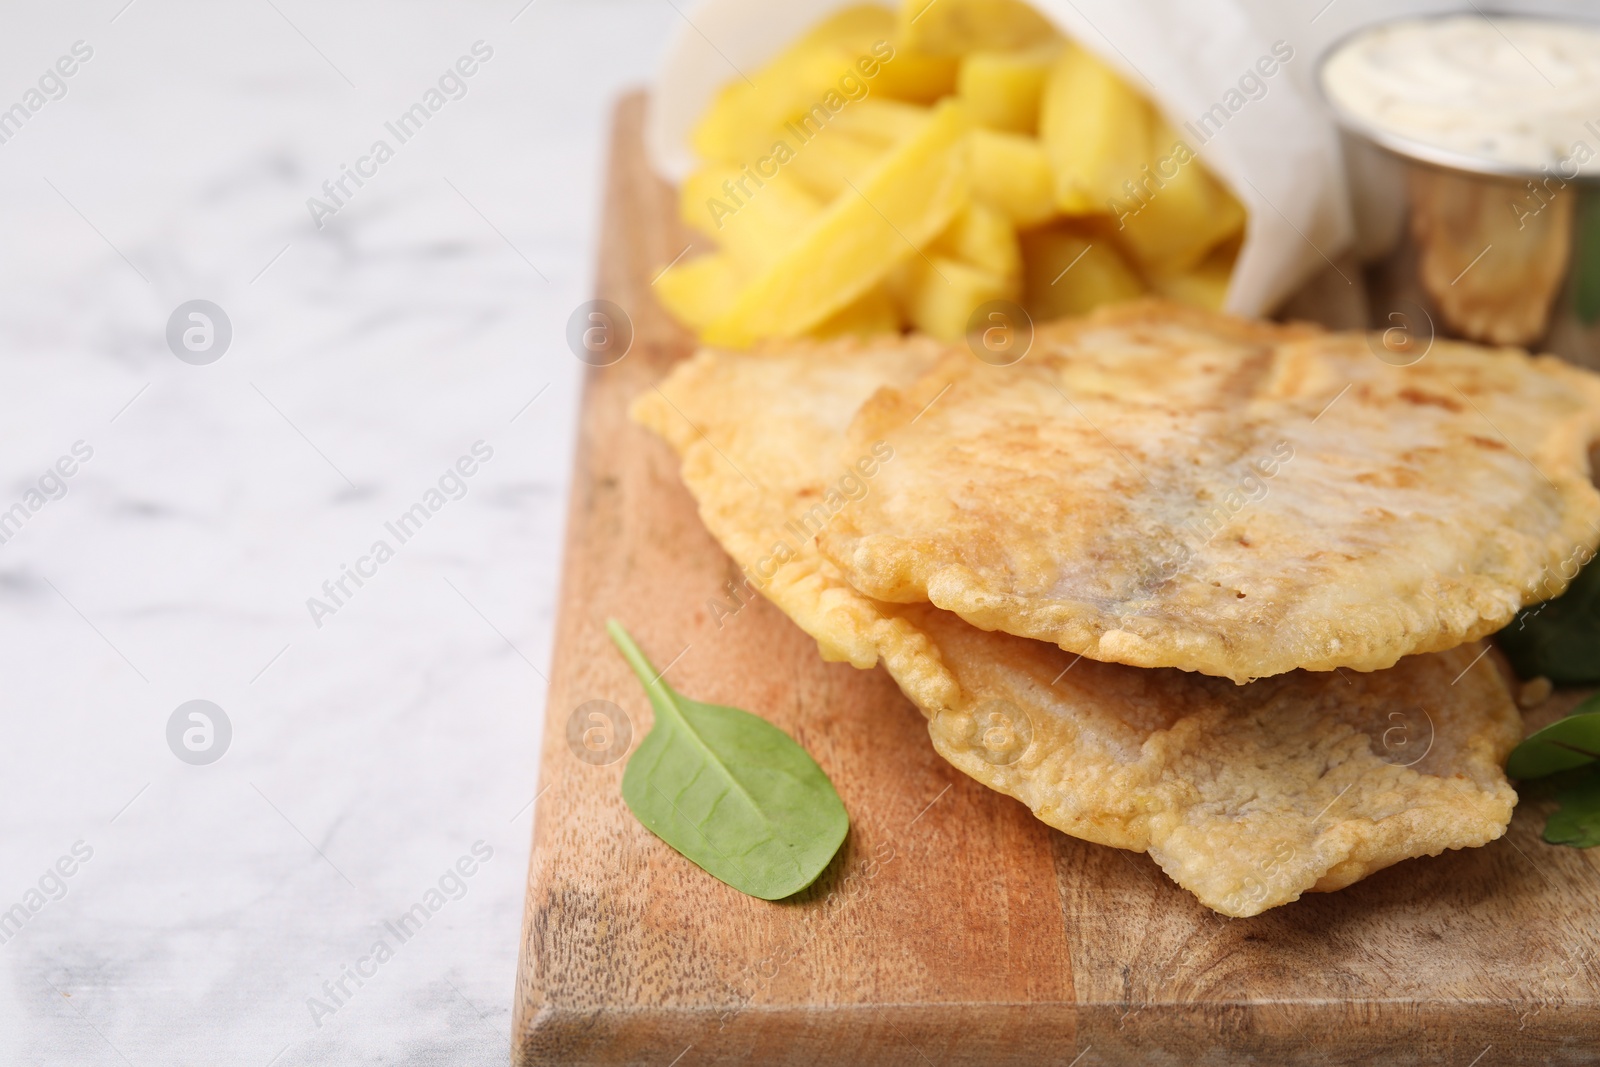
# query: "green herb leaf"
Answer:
x=1577 y=821
x=1564 y=744
x=730 y=791
x=1586 y=257
x=1559 y=638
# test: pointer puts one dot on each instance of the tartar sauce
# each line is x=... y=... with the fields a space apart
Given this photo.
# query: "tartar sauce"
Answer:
x=1518 y=93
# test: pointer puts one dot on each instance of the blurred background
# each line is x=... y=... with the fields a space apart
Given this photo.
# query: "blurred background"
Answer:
x=192 y=889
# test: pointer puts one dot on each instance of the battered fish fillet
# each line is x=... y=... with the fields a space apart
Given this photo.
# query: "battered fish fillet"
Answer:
x=1167 y=487
x=1247 y=796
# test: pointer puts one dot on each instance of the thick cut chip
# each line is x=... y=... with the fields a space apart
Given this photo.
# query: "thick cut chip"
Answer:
x=754 y=223
x=939 y=295
x=907 y=200
x=1180 y=212
x=884 y=121
x=1012 y=172
x=913 y=77
x=1247 y=796
x=1096 y=131
x=873 y=313
x=1071 y=270
x=984 y=237
x=1204 y=286
x=698 y=290
x=833 y=164
x=1003 y=88
x=957 y=27
x=740 y=125
x=1167 y=487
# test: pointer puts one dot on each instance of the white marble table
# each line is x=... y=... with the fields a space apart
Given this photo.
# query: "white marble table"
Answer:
x=370 y=753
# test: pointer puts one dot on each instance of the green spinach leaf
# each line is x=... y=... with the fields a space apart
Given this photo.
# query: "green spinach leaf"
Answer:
x=1559 y=638
x=1586 y=257
x=1577 y=821
x=1567 y=755
x=730 y=791
x=1564 y=744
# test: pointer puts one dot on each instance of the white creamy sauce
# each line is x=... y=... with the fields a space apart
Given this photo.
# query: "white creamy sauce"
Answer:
x=1518 y=92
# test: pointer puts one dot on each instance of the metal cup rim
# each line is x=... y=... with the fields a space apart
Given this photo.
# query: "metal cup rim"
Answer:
x=1413 y=151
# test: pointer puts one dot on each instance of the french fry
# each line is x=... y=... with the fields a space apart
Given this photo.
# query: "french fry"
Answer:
x=1170 y=223
x=1070 y=271
x=874 y=313
x=698 y=290
x=982 y=236
x=916 y=78
x=938 y=295
x=956 y=27
x=841 y=205
x=1012 y=173
x=751 y=218
x=852 y=27
x=1096 y=132
x=832 y=162
x=745 y=117
x=908 y=199
x=1003 y=89
x=881 y=121
x=1206 y=284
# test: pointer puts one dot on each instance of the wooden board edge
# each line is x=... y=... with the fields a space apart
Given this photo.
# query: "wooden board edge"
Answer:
x=616 y=209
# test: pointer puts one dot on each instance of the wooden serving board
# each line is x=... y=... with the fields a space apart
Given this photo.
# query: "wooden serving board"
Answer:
x=953 y=928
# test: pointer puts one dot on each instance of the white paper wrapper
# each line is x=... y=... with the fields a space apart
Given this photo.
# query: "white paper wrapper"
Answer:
x=1271 y=141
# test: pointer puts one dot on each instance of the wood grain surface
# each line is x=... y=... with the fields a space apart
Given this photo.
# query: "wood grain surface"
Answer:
x=953 y=928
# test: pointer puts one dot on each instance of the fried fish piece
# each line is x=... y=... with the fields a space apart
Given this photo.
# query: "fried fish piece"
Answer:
x=1247 y=796
x=1169 y=487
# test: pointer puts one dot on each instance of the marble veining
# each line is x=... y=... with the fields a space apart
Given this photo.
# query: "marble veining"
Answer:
x=218 y=912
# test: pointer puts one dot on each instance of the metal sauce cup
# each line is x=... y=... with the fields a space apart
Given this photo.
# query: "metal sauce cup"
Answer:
x=1472 y=248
